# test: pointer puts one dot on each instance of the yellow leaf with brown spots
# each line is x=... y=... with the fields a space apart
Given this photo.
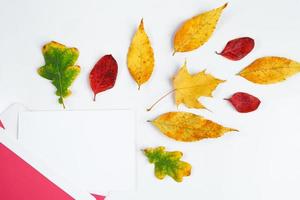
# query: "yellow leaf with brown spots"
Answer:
x=196 y=31
x=188 y=127
x=188 y=88
x=140 y=57
x=268 y=70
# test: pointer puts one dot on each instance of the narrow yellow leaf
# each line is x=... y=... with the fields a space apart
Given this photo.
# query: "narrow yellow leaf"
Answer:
x=140 y=57
x=268 y=70
x=188 y=127
x=188 y=88
x=196 y=31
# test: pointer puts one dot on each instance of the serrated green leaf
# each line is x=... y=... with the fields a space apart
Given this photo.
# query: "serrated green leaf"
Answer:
x=168 y=163
x=60 y=68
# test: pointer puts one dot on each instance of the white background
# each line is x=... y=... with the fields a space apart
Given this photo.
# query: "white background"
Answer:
x=259 y=162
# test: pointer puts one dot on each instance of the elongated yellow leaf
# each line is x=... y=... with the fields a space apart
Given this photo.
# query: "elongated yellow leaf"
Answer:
x=268 y=70
x=188 y=88
x=140 y=57
x=197 y=30
x=188 y=127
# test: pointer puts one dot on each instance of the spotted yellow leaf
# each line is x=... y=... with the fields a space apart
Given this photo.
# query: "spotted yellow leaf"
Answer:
x=188 y=127
x=188 y=88
x=168 y=163
x=268 y=70
x=196 y=31
x=140 y=57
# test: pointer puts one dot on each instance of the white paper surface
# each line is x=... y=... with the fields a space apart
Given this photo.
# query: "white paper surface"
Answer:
x=93 y=148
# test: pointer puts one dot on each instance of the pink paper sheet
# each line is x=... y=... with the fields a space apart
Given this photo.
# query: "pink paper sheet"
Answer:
x=1 y=125
x=17 y=177
x=20 y=181
x=98 y=197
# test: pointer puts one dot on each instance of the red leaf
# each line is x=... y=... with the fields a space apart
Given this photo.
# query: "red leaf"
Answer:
x=238 y=48
x=103 y=75
x=244 y=102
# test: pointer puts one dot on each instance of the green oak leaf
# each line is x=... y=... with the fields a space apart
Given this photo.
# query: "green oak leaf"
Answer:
x=168 y=163
x=60 y=68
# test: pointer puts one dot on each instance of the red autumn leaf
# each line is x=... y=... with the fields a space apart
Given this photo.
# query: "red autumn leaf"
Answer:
x=103 y=75
x=238 y=48
x=244 y=102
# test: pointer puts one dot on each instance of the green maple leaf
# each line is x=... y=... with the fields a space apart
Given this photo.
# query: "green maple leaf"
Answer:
x=60 y=68
x=168 y=163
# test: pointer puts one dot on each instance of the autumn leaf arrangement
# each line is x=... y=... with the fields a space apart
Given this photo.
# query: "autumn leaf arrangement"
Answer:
x=61 y=69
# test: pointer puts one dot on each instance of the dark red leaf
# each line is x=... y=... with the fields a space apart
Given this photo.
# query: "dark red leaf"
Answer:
x=244 y=102
x=103 y=75
x=238 y=48
x=1 y=125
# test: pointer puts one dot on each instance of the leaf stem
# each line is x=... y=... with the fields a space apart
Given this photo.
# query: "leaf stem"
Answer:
x=94 y=99
x=63 y=103
x=150 y=108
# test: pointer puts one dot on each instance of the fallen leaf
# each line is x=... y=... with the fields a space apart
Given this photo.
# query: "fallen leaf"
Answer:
x=196 y=31
x=1 y=125
x=188 y=88
x=168 y=163
x=140 y=57
x=238 y=48
x=244 y=102
x=268 y=70
x=188 y=127
x=60 y=68
x=103 y=75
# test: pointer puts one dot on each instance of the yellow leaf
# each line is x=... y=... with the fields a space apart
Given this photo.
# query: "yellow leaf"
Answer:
x=188 y=88
x=140 y=57
x=268 y=70
x=197 y=30
x=188 y=127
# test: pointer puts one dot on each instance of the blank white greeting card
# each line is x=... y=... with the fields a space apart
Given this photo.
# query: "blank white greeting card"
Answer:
x=95 y=149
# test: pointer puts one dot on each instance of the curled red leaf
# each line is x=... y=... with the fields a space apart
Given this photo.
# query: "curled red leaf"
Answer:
x=237 y=49
x=103 y=75
x=244 y=102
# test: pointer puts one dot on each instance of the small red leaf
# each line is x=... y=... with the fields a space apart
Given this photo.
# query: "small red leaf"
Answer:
x=244 y=102
x=238 y=48
x=103 y=75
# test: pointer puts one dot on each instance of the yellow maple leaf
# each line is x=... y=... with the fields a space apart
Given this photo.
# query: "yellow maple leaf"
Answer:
x=188 y=127
x=196 y=31
x=140 y=57
x=268 y=70
x=188 y=88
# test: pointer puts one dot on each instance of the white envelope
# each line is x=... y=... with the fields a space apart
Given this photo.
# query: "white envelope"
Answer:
x=95 y=149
